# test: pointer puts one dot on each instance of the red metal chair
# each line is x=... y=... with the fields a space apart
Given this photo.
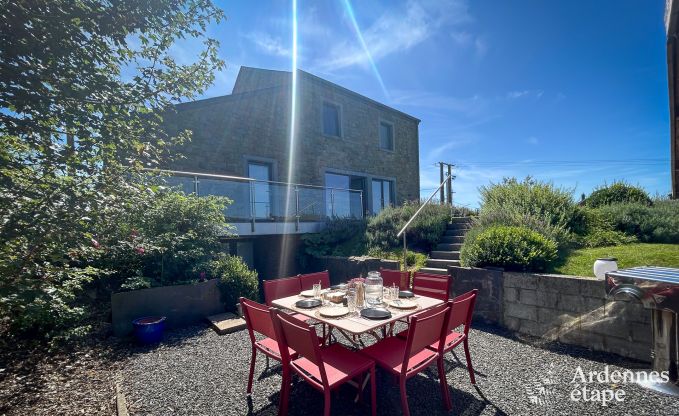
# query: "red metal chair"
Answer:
x=307 y=281
x=324 y=368
x=460 y=315
x=396 y=277
x=433 y=285
x=258 y=319
x=281 y=288
x=406 y=358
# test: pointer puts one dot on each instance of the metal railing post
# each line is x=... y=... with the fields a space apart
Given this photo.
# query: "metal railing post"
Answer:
x=296 y=208
x=252 y=206
x=405 y=253
x=332 y=202
x=195 y=184
x=362 y=210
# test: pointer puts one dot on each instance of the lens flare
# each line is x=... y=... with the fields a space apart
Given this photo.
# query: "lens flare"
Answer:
x=290 y=191
x=359 y=35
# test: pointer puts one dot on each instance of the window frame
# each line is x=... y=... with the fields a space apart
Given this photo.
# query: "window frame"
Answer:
x=392 y=193
x=379 y=135
x=340 y=116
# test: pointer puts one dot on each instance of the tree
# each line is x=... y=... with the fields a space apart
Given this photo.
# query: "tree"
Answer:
x=83 y=89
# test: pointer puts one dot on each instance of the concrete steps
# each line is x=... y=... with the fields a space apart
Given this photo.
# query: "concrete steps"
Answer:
x=449 y=247
x=442 y=263
x=446 y=255
x=458 y=239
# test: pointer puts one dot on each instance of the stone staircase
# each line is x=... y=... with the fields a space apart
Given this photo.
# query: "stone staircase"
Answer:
x=447 y=252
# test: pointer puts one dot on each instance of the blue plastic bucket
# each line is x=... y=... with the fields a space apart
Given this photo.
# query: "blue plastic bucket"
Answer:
x=149 y=329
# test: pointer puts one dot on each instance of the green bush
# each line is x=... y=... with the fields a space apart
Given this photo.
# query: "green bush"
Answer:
x=657 y=223
x=602 y=237
x=235 y=278
x=617 y=193
x=424 y=232
x=539 y=206
x=512 y=248
x=340 y=237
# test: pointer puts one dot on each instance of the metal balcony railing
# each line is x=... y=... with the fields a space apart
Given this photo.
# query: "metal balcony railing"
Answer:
x=257 y=201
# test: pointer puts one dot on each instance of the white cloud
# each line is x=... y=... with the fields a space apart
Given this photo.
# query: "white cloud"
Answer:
x=396 y=30
x=268 y=44
x=512 y=95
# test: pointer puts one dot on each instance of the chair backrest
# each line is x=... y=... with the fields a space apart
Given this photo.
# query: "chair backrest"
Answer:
x=257 y=319
x=301 y=337
x=307 y=281
x=433 y=285
x=462 y=310
x=395 y=277
x=281 y=288
x=426 y=328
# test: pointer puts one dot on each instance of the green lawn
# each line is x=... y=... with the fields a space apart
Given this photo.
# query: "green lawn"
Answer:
x=580 y=262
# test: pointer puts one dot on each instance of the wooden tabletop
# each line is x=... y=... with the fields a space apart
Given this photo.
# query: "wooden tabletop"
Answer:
x=354 y=323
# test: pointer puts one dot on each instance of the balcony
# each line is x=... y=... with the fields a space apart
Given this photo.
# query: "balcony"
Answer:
x=268 y=207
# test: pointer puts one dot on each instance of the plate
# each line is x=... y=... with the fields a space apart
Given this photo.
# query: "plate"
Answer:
x=307 y=293
x=341 y=286
x=402 y=304
x=375 y=313
x=308 y=303
x=333 y=312
x=405 y=294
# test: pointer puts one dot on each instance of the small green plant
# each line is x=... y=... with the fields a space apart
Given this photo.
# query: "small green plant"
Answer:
x=601 y=237
x=424 y=232
x=617 y=193
x=235 y=278
x=340 y=237
x=512 y=248
x=657 y=223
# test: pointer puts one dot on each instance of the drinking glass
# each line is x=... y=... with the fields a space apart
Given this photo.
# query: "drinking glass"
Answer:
x=351 y=301
x=317 y=290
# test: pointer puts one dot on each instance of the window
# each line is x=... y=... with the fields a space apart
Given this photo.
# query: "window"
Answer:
x=331 y=120
x=386 y=136
x=340 y=201
x=261 y=188
x=382 y=195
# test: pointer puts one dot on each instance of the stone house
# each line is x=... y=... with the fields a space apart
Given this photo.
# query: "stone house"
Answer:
x=351 y=157
x=344 y=140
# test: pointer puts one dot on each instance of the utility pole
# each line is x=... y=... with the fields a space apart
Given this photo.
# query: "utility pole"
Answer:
x=447 y=197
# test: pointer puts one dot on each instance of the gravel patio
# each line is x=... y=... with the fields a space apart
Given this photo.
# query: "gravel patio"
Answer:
x=197 y=372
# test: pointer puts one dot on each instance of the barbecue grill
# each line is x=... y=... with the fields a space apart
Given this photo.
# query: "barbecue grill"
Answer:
x=657 y=288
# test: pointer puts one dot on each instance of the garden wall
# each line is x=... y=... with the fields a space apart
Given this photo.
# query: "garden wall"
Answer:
x=572 y=310
x=342 y=269
x=182 y=304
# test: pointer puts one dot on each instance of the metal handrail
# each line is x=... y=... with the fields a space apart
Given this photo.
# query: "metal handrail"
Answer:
x=407 y=224
x=244 y=179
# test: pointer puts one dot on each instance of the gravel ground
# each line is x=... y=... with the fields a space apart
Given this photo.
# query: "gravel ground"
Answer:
x=197 y=372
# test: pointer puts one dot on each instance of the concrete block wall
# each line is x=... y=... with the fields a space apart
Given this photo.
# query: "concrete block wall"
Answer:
x=572 y=310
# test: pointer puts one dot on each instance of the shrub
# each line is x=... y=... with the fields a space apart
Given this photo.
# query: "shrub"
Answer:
x=540 y=206
x=602 y=237
x=340 y=237
x=658 y=223
x=235 y=278
x=617 y=193
x=512 y=248
x=424 y=232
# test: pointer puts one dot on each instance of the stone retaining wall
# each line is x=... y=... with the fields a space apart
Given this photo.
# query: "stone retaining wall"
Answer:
x=572 y=310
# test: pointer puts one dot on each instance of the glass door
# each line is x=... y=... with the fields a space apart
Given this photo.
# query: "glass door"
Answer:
x=261 y=189
x=382 y=195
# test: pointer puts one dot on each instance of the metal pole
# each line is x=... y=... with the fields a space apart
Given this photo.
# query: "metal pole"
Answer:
x=332 y=202
x=441 y=180
x=296 y=208
x=405 y=253
x=420 y=209
x=195 y=185
x=252 y=206
x=362 y=210
x=450 y=184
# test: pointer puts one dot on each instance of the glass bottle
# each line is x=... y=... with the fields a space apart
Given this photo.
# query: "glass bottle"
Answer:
x=373 y=289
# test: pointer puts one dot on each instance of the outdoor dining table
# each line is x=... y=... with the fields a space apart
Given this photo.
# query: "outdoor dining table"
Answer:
x=353 y=323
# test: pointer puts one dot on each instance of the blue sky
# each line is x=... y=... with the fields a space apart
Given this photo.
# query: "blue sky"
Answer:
x=527 y=87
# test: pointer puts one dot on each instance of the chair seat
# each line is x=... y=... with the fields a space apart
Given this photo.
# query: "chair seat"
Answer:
x=453 y=339
x=270 y=346
x=340 y=363
x=389 y=354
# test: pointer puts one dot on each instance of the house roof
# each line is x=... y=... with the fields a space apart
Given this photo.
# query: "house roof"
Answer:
x=270 y=79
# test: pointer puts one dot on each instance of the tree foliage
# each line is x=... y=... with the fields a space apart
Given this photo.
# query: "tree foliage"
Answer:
x=84 y=86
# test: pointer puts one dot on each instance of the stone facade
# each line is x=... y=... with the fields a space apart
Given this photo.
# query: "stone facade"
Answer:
x=572 y=310
x=252 y=124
